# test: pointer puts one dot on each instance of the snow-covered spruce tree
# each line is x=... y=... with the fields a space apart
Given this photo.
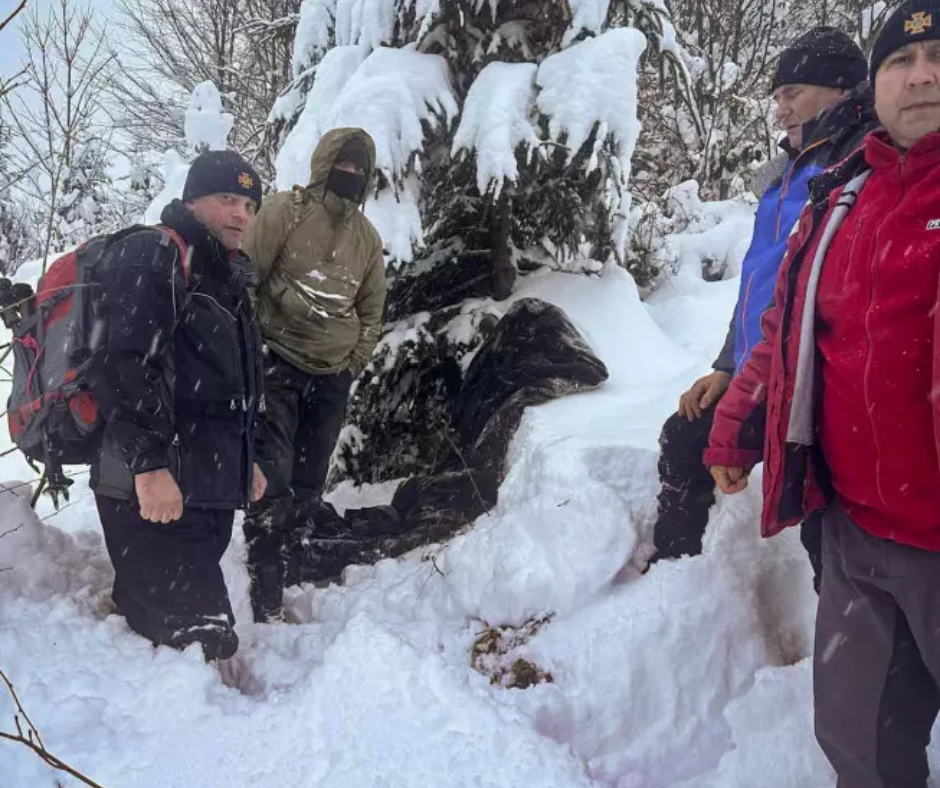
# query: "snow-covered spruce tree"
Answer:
x=84 y=207
x=17 y=237
x=17 y=242
x=504 y=134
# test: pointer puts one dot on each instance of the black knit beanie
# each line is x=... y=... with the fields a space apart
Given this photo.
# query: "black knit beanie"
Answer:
x=824 y=56
x=221 y=172
x=911 y=22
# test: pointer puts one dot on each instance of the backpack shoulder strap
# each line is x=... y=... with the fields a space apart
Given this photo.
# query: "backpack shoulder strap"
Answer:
x=171 y=236
x=301 y=208
x=168 y=236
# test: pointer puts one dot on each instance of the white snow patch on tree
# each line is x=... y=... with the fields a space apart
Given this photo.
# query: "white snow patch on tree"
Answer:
x=398 y=219
x=369 y=22
x=175 y=169
x=335 y=70
x=206 y=126
x=496 y=119
x=388 y=95
x=587 y=15
x=594 y=82
x=312 y=38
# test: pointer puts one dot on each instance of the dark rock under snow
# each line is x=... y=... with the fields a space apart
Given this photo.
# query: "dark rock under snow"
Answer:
x=535 y=355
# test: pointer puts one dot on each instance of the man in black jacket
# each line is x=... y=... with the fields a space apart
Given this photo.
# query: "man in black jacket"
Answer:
x=826 y=108
x=177 y=375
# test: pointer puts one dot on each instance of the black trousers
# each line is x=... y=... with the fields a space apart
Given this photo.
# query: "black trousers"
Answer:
x=687 y=493
x=302 y=420
x=167 y=578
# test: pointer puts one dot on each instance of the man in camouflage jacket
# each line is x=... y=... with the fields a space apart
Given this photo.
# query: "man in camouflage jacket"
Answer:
x=320 y=301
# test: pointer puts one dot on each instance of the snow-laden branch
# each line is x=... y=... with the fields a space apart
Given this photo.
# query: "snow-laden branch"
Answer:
x=390 y=94
x=498 y=117
x=593 y=84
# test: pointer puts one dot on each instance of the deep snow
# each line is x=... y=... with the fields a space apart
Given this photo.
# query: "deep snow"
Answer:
x=695 y=674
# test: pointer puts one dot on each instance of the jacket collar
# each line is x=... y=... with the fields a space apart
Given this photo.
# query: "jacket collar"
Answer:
x=210 y=259
x=878 y=153
x=882 y=154
x=838 y=124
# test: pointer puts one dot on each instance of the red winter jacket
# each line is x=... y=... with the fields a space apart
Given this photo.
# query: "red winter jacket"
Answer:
x=866 y=259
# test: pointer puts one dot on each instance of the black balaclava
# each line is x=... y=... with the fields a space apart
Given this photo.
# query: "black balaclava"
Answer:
x=350 y=185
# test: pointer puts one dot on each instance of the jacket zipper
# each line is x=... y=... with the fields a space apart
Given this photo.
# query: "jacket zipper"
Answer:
x=248 y=401
x=177 y=457
x=866 y=379
x=786 y=181
x=747 y=294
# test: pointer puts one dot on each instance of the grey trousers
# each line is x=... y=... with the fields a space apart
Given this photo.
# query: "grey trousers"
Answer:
x=877 y=658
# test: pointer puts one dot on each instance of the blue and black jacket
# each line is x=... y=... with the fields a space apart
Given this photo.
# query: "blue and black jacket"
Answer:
x=830 y=138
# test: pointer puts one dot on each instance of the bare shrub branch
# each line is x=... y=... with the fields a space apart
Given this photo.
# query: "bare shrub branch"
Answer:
x=31 y=738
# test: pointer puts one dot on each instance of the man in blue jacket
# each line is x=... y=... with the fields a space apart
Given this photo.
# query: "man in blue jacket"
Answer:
x=826 y=108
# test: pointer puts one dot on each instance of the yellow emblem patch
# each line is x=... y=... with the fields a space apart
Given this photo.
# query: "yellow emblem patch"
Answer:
x=246 y=181
x=918 y=23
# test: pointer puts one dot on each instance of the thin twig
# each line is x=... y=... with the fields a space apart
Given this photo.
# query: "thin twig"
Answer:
x=13 y=14
x=33 y=740
x=473 y=482
x=7 y=533
x=12 y=487
x=20 y=709
x=59 y=511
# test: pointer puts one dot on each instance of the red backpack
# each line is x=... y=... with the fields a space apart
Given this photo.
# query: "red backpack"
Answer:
x=53 y=416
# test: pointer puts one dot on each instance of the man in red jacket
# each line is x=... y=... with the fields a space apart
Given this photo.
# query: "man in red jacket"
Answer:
x=841 y=401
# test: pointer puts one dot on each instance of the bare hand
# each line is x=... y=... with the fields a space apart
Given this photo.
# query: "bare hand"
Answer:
x=160 y=498
x=705 y=393
x=258 y=484
x=730 y=480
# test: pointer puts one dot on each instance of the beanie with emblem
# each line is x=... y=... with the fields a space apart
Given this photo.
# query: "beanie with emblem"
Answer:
x=910 y=23
x=824 y=56
x=221 y=172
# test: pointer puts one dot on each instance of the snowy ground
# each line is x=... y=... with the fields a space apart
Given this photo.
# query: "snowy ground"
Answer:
x=695 y=674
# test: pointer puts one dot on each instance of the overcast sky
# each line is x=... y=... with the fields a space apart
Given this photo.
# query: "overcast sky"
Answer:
x=12 y=53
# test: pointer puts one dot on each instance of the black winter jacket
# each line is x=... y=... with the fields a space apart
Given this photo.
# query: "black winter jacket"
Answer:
x=177 y=374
